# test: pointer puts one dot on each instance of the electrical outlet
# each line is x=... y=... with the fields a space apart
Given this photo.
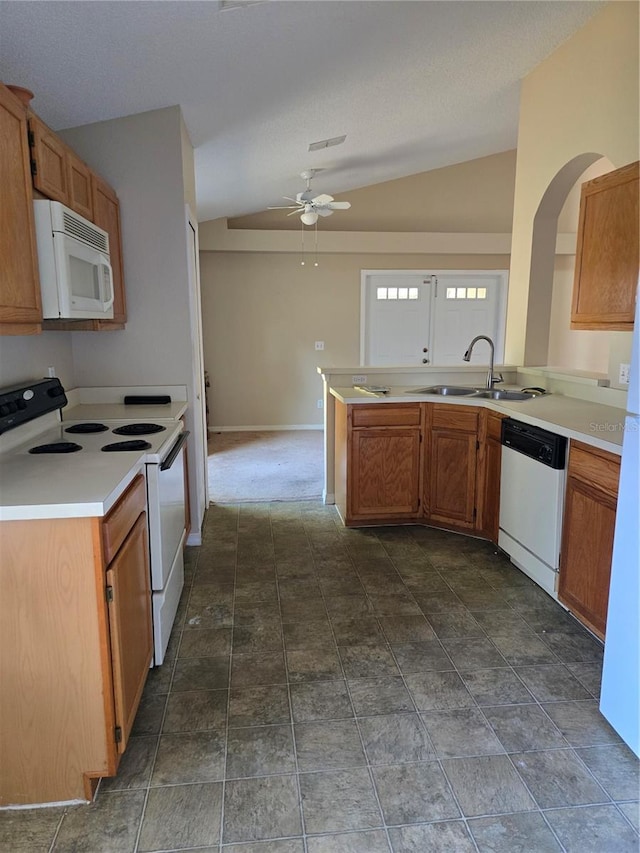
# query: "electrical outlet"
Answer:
x=319 y=345
x=358 y=379
x=623 y=375
x=320 y=404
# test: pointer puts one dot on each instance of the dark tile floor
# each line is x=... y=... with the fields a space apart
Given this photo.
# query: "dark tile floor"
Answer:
x=358 y=691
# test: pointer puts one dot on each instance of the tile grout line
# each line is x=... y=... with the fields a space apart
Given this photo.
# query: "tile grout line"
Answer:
x=226 y=728
x=291 y=721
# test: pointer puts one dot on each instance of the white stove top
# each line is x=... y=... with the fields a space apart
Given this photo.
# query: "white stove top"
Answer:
x=66 y=485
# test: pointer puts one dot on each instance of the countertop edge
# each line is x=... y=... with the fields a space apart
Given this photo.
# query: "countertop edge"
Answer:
x=606 y=418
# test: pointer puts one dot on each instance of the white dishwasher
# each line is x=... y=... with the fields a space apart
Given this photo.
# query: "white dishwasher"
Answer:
x=532 y=487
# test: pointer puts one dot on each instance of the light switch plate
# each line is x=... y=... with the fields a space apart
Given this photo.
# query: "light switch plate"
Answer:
x=358 y=378
x=319 y=345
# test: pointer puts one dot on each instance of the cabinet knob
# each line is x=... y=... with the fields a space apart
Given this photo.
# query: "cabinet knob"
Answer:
x=425 y=361
x=425 y=349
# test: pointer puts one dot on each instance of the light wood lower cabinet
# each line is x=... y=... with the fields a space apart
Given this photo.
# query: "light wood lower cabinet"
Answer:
x=451 y=465
x=75 y=648
x=587 y=534
x=489 y=469
x=378 y=462
x=416 y=462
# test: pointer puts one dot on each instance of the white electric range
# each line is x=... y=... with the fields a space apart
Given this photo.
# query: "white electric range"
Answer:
x=50 y=469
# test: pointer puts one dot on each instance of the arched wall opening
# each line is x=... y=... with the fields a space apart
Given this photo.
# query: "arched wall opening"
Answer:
x=543 y=255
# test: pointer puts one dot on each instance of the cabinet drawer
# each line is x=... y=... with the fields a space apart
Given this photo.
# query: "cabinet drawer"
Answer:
x=595 y=467
x=461 y=418
x=386 y=414
x=122 y=517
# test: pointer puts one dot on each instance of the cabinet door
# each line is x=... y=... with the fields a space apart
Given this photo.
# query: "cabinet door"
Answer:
x=384 y=472
x=490 y=489
x=79 y=183
x=606 y=273
x=451 y=477
x=488 y=480
x=20 y=309
x=49 y=156
x=106 y=215
x=130 y=628
x=587 y=548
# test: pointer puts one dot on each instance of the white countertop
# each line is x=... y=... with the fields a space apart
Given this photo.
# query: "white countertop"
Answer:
x=85 y=485
x=593 y=423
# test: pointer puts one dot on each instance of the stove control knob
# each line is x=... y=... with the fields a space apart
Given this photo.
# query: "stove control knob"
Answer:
x=12 y=406
x=56 y=391
x=28 y=394
x=21 y=404
x=4 y=410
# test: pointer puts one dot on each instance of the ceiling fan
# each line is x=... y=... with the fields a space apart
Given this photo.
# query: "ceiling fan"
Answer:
x=309 y=206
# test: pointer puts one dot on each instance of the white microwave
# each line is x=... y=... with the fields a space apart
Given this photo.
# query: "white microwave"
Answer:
x=76 y=279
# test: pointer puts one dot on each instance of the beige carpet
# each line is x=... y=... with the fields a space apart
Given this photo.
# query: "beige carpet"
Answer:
x=266 y=466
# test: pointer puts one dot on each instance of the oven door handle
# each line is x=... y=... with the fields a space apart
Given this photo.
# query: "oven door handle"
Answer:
x=175 y=450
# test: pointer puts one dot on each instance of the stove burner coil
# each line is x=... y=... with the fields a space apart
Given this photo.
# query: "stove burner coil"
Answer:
x=87 y=428
x=126 y=445
x=57 y=447
x=138 y=429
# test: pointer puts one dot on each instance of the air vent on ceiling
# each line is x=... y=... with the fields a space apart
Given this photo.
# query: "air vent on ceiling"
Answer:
x=327 y=143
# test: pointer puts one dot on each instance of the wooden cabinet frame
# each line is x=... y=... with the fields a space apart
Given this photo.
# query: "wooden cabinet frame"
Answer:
x=424 y=463
x=70 y=684
x=606 y=271
x=587 y=534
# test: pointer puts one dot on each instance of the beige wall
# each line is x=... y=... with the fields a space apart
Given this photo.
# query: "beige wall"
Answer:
x=579 y=104
x=24 y=358
x=578 y=349
x=263 y=312
x=472 y=196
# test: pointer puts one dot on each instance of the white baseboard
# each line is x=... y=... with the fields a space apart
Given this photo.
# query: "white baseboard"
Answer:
x=328 y=497
x=194 y=539
x=263 y=428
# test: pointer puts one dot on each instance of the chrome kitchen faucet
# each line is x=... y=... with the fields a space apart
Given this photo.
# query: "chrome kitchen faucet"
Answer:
x=491 y=379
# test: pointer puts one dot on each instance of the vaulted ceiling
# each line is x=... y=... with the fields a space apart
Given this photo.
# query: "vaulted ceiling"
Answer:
x=415 y=86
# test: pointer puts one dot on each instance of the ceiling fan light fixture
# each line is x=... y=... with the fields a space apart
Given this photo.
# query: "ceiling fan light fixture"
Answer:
x=309 y=218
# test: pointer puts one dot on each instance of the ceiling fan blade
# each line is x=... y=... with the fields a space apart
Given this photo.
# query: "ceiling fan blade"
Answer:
x=297 y=210
x=323 y=211
x=288 y=198
x=339 y=205
x=322 y=199
x=286 y=207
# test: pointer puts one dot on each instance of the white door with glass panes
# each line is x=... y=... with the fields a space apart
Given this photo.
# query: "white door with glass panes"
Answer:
x=415 y=317
x=397 y=320
x=466 y=305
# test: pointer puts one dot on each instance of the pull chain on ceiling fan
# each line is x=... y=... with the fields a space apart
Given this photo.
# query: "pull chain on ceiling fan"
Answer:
x=310 y=207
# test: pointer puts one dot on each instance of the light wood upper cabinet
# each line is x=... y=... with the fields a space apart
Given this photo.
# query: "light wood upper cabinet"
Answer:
x=587 y=534
x=606 y=272
x=451 y=464
x=106 y=215
x=20 y=308
x=49 y=161
x=79 y=181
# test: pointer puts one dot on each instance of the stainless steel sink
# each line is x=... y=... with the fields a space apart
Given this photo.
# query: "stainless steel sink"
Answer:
x=504 y=394
x=445 y=390
x=485 y=394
